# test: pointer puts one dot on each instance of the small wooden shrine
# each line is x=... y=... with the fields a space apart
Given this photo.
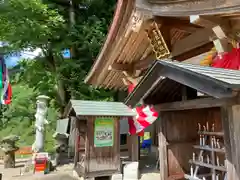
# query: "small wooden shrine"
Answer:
x=96 y=133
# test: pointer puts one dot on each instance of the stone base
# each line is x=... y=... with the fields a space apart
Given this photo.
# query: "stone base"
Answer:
x=113 y=177
x=75 y=175
x=130 y=171
x=117 y=177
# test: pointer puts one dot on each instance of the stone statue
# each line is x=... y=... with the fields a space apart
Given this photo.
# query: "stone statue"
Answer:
x=8 y=146
x=41 y=113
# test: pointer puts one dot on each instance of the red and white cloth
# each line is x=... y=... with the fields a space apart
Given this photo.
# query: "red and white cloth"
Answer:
x=146 y=115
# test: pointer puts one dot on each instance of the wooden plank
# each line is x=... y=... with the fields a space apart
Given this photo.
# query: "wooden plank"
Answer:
x=226 y=128
x=195 y=104
x=120 y=67
x=77 y=144
x=134 y=148
x=231 y=127
x=208 y=148
x=143 y=64
x=235 y=140
x=195 y=52
x=193 y=41
x=222 y=43
x=180 y=8
x=219 y=168
x=221 y=27
x=163 y=159
x=72 y=136
x=219 y=31
x=212 y=133
x=87 y=145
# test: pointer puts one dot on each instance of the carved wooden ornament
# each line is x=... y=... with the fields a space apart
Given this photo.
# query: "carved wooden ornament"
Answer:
x=136 y=21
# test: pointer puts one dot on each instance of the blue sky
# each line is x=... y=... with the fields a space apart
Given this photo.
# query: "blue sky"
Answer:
x=13 y=60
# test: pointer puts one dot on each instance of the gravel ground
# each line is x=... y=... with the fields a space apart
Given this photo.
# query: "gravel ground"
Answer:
x=65 y=172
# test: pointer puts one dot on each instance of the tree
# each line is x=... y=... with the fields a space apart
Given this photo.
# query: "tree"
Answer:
x=31 y=24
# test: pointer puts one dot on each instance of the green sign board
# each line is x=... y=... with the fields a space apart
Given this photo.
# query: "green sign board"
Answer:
x=103 y=132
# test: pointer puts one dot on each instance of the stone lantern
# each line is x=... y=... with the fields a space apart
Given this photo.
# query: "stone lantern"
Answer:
x=61 y=145
x=8 y=146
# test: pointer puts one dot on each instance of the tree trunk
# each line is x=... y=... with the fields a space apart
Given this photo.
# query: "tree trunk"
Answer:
x=9 y=160
x=61 y=91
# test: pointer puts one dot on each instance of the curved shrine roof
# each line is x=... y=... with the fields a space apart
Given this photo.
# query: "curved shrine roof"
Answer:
x=127 y=42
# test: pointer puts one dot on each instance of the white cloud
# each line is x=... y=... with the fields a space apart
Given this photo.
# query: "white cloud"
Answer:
x=31 y=54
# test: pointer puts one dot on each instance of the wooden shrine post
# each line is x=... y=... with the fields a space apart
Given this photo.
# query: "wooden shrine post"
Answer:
x=231 y=127
x=163 y=157
x=134 y=148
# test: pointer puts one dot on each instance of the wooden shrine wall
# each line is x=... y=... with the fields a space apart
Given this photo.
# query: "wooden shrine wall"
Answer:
x=103 y=159
x=181 y=133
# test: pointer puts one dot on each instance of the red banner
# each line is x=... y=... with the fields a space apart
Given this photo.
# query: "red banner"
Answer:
x=228 y=60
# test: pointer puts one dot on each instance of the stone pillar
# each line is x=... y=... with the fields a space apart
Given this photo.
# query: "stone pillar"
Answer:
x=41 y=120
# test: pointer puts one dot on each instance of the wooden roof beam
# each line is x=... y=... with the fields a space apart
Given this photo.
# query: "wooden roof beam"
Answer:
x=131 y=79
x=209 y=21
x=139 y=65
x=221 y=43
x=144 y=63
x=181 y=24
x=191 y=42
x=120 y=67
x=221 y=28
x=125 y=82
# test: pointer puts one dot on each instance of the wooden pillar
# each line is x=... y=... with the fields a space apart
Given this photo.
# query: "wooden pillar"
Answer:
x=231 y=127
x=134 y=148
x=72 y=136
x=163 y=156
x=77 y=143
x=129 y=146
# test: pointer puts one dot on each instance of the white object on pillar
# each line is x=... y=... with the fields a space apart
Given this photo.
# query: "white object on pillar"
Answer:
x=41 y=113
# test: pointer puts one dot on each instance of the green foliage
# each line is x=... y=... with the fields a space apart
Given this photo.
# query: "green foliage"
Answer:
x=18 y=118
x=31 y=24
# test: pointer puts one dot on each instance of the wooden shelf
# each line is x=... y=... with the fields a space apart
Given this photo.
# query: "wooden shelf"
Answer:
x=208 y=148
x=187 y=176
x=211 y=133
x=219 y=168
x=190 y=177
